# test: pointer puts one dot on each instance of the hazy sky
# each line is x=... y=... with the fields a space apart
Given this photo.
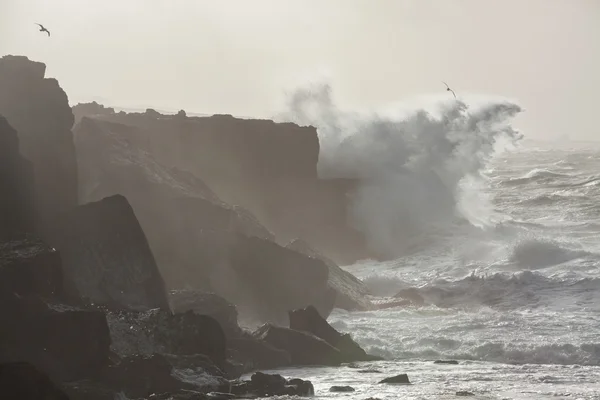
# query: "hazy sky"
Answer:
x=239 y=56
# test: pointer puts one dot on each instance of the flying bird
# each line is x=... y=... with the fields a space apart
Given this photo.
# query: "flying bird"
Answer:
x=449 y=90
x=43 y=29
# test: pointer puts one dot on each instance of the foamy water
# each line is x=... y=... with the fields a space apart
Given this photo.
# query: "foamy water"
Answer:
x=502 y=246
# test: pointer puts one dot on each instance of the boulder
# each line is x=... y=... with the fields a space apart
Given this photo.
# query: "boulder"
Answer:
x=342 y=389
x=23 y=381
x=205 y=303
x=106 y=254
x=446 y=362
x=303 y=348
x=351 y=292
x=39 y=110
x=17 y=211
x=266 y=385
x=309 y=320
x=398 y=379
x=255 y=354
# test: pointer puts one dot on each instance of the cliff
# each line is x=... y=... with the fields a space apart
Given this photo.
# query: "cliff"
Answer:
x=17 y=213
x=266 y=167
x=38 y=109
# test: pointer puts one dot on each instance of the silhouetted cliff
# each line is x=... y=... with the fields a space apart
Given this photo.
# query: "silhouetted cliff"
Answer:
x=38 y=109
x=266 y=167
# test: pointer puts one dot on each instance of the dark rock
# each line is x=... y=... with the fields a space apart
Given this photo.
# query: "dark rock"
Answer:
x=342 y=389
x=268 y=168
x=29 y=266
x=39 y=111
x=88 y=390
x=257 y=354
x=92 y=109
x=210 y=304
x=309 y=320
x=161 y=332
x=17 y=210
x=369 y=371
x=266 y=385
x=400 y=379
x=106 y=254
x=220 y=396
x=24 y=381
x=303 y=348
x=449 y=362
x=351 y=292
x=464 y=393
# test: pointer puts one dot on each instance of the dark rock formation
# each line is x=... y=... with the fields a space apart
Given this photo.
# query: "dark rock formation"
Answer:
x=92 y=109
x=309 y=320
x=446 y=362
x=304 y=348
x=255 y=354
x=342 y=389
x=351 y=292
x=211 y=304
x=106 y=254
x=17 y=212
x=39 y=111
x=24 y=381
x=268 y=168
x=398 y=379
x=266 y=385
x=464 y=393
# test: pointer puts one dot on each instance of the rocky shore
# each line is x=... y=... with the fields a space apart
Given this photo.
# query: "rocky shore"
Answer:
x=133 y=246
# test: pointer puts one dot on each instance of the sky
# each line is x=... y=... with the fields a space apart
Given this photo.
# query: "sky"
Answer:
x=242 y=57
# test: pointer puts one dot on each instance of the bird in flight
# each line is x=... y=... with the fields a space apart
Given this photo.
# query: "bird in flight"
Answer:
x=449 y=90
x=43 y=29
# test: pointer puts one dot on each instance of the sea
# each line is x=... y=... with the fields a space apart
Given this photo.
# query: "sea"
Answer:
x=496 y=233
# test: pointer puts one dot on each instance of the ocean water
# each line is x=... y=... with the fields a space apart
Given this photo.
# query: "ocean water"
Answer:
x=498 y=237
x=517 y=304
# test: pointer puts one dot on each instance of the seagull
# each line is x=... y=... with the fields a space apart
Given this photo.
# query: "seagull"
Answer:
x=448 y=89
x=42 y=29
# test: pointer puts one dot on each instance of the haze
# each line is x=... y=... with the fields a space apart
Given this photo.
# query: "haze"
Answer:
x=239 y=57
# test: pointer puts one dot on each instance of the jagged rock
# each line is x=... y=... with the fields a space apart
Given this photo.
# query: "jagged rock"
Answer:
x=39 y=110
x=309 y=320
x=303 y=348
x=400 y=379
x=210 y=304
x=24 y=381
x=351 y=292
x=157 y=331
x=266 y=167
x=266 y=385
x=257 y=354
x=342 y=389
x=92 y=109
x=17 y=211
x=106 y=254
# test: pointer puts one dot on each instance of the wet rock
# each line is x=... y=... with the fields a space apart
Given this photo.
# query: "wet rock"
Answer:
x=266 y=385
x=464 y=393
x=106 y=254
x=303 y=348
x=205 y=303
x=369 y=371
x=399 y=379
x=342 y=389
x=17 y=210
x=309 y=320
x=257 y=354
x=24 y=381
x=447 y=362
x=38 y=109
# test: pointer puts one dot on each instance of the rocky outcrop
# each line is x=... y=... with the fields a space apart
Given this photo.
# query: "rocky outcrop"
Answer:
x=266 y=167
x=303 y=348
x=351 y=292
x=17 y=213
x=38 y=109
x=106 y=254
x=64 y=341
x=309 y=320
x=24 y=381
x=92 y=109
x=266 y=385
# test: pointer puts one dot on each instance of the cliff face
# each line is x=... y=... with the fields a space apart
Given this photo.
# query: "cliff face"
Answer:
x=38 y=109
x=268 y=168
x=16 y=185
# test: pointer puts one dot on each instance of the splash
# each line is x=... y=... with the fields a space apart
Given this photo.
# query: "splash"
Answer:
x=419 y=168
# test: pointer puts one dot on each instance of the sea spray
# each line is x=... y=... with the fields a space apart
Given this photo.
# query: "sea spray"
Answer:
x=419 y=169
